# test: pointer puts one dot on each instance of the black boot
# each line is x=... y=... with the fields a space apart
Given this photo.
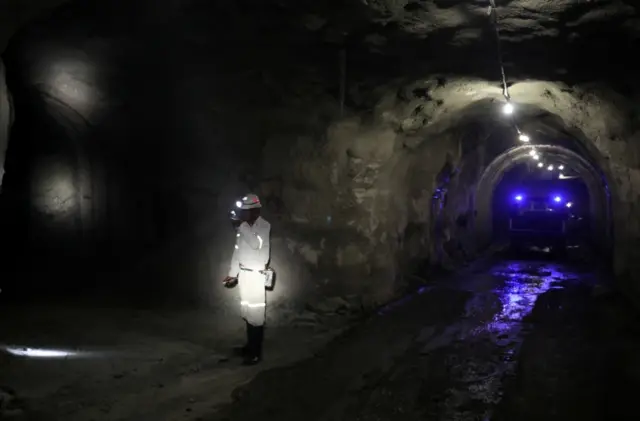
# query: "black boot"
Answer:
x=254 y=354
x=259 y=341
x=242 y=351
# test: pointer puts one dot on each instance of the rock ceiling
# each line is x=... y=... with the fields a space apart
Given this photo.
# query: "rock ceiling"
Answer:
x=450 y=35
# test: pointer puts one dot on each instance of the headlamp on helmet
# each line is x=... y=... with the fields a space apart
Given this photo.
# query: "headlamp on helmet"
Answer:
x=250 y=201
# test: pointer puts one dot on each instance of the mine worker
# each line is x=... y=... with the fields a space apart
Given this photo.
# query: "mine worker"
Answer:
x=248 y=264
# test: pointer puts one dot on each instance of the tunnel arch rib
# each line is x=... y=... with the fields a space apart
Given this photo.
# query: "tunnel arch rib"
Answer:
x=600 y=201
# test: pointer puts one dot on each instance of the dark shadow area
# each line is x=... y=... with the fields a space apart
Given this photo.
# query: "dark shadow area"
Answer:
x=45 y=193
x=118 y=156
x=576 y=360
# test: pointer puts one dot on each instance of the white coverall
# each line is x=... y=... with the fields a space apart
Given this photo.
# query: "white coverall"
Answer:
x=251 y=255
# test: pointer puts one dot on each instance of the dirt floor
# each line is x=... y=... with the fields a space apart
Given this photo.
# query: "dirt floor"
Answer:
x=526 y=340
x=115 y=364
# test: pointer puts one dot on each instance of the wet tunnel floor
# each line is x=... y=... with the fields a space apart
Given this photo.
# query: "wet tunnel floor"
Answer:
x=524 y=340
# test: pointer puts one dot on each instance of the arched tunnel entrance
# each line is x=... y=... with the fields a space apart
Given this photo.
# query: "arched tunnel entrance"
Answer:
x=549 y=156
x=485 y=145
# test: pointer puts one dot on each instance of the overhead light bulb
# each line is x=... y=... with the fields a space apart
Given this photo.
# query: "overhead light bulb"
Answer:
x=550 y=167
x=239 y=204
x=536 y=157
x=532 y=152
x=560 y=175
x=508 y=108
x=524 y=138
x=561 y=167
x=540 y=165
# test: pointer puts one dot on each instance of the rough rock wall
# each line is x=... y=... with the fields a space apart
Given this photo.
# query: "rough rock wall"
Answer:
x=395 y=195
x=388 y=166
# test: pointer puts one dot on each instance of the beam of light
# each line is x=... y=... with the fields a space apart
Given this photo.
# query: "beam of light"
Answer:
x=55 y=190
x=72 y=81
x=55 y=353
x=40 y=352
x=252 y=305
x=508 y=108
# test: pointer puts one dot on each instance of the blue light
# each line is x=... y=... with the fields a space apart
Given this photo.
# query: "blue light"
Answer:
x=557 y=199
x=518 y=197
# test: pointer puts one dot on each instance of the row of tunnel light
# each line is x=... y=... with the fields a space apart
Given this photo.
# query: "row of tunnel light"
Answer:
x=509 y=109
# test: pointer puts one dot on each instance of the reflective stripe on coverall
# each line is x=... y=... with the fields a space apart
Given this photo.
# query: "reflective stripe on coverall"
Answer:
x=251 y=255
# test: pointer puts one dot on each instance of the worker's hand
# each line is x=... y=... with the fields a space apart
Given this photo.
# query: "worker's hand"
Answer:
x=228 y=279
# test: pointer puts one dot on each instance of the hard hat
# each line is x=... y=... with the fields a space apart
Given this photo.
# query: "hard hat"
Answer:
x=250 y=201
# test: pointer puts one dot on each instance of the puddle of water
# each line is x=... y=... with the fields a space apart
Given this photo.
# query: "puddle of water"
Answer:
x=523 y=284
x=482 y=375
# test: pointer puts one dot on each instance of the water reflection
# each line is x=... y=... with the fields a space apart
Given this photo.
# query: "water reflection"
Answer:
x=497 y=339
x=523 y=283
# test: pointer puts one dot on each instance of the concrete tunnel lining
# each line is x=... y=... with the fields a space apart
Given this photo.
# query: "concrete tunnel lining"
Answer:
x=600 y=200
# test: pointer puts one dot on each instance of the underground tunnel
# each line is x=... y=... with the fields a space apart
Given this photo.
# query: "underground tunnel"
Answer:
x=386 y=140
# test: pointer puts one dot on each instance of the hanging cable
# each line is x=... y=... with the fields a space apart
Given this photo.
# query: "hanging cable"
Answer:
x=508 y=109
x=493 y=13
